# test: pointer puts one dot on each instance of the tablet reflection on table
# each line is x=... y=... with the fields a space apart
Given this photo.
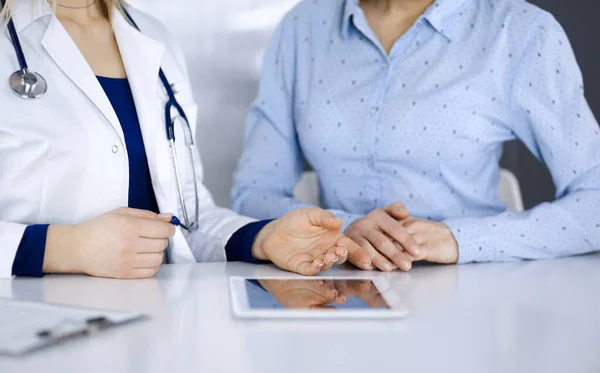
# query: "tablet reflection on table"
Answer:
x=314 y=294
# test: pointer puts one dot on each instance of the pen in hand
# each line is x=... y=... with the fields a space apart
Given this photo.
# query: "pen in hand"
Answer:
x=176 y=222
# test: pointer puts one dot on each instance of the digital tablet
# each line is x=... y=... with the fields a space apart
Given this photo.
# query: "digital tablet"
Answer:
x=314 y=297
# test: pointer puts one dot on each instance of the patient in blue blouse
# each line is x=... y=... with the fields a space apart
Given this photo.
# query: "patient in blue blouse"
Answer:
x=402 y=107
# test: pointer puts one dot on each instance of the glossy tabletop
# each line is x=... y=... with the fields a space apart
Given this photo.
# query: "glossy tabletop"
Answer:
x=513 y=317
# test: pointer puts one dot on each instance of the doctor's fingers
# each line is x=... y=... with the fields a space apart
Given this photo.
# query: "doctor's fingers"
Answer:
x=343 y=291
x=151 y=245
x=141 y=273
x=346 y=247
x=329 y=259
x=322 y=307
x=323 y=218
x=325 y=250
x=153 y=228
x=358 y=287
x=148 y=260
x=338 y=256
x=305 y=264
x=325 y=290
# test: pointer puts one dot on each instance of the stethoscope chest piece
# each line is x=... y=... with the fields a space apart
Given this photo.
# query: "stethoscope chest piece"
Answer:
x=28 y=84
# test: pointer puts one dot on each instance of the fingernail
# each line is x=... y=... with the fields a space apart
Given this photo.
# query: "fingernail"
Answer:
x=416 y=250
x=335 y=292
x=394 y=267
x=336 y=259
x=340 y=220
x=368 y=266
x=165 y=216
x=343 y=298
x=405 y=265
x=387 y=267
x=344 y=253
x=321 y=264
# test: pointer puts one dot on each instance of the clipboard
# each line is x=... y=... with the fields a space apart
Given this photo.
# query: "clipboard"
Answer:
x=29 y=326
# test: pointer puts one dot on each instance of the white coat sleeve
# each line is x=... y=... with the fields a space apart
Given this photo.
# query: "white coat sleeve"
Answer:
x=10 y=238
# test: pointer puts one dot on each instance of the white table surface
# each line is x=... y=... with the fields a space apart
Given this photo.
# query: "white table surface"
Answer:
x=515 y=317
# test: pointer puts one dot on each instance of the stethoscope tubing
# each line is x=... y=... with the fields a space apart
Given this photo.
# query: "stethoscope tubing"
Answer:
x=16 y=42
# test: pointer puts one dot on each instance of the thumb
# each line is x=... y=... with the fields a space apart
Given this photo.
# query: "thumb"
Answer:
x=324 y=219
x=397 y=210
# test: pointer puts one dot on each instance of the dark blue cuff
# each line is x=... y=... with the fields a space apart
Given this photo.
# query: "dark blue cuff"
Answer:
x=239 y=246
x=29 y=259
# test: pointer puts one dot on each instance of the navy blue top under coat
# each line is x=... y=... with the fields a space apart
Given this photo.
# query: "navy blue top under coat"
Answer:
x=141 y=192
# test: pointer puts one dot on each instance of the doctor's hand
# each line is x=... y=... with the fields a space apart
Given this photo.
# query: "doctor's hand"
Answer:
x=303 y=293
x=307 y=241
x=385 y=239
x=123 y=243
x=362 y=289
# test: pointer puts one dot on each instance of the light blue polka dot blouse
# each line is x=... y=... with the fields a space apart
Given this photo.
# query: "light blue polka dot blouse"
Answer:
x=425 y=125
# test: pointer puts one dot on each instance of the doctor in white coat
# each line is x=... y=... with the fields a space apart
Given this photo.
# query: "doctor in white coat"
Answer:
x=67 y=168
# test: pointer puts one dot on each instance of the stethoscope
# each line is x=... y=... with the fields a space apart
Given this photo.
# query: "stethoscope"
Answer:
x=28 y=84
x=24 y=83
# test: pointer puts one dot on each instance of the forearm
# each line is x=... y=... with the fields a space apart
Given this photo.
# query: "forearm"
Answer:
x=61 y=251
x=569 y=226
x=11 y=235
x=45 y=249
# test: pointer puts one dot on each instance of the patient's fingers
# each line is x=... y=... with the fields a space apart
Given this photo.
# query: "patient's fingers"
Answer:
x=378 y=259
x=356 y=254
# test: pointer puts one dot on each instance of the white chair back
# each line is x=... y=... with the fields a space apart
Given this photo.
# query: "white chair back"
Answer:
x=307 y=190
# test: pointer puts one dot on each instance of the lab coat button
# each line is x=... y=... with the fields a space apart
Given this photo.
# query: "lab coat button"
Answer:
x=115 y=149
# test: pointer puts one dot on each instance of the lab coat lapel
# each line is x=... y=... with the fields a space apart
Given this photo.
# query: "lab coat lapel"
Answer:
x=142 y=58
x=66 y=55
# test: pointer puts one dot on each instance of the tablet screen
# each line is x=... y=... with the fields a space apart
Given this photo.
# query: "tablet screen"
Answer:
x=273 y=294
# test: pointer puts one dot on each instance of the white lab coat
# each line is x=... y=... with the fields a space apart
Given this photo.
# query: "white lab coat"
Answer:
x=63 y=158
